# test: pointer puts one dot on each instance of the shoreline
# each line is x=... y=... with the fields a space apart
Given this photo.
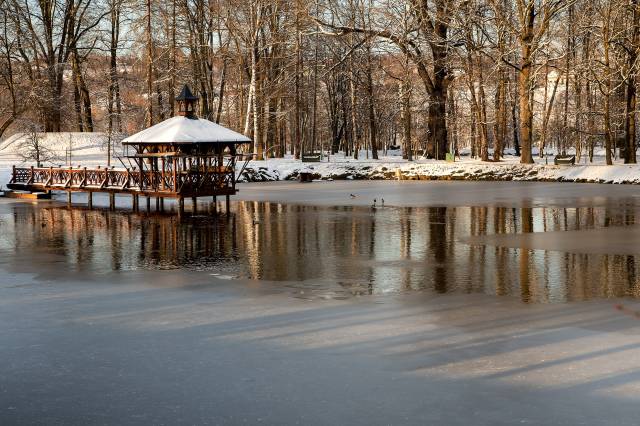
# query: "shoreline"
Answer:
x=402 y=194
x=466 y=170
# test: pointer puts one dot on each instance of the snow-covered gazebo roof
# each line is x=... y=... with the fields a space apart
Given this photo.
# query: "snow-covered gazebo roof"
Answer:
x=186 y=130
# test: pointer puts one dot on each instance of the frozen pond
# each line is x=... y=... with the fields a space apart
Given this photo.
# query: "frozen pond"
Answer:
x=309 y=307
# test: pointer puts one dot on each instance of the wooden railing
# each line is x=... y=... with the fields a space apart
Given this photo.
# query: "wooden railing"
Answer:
x=190 y=182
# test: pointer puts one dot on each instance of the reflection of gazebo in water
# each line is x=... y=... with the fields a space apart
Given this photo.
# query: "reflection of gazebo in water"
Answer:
x=182 y=157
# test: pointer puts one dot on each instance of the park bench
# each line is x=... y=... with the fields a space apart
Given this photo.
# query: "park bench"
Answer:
x=564 y=160
x=312 y=157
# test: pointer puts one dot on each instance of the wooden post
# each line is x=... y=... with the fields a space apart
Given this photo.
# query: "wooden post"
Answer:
x=162 y=184
x=148 y=203
x=175 y=175
x=90 y=200
x=69 y=198
x=181 y=205
x=157 y=203
x=135 y=200
x=112 y=201
x=194 y=203
x=227 y=202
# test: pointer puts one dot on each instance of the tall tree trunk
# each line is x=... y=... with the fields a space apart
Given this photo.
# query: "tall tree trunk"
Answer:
x=484 y=149
x=172 y=61
x=631 y=100
x=256 y=106
x=354 y=120
x=85 y=97
x=297 y=142
x=371 y=102
x=500 y=107
x=405 y=116
x=514 y=120
x=608 y=88
x=314 y=110
x=565 y=123
x=76 y=102
x=149 y=112
x=272 y=122
x=223 y=79
x=524 y=84
x=547 y=114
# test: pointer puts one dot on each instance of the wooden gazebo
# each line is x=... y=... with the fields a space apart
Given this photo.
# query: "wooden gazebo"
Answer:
x=182 y=157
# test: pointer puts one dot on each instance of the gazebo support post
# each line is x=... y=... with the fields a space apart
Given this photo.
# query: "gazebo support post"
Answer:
x=135 y=201
x=90 y=200
x=69 y=198
x=148 y=203
x=181 y=205
x=194 y=203
x=112 y=201
x=227 y=202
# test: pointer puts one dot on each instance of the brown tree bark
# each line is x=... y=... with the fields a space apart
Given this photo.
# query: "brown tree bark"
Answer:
x=149 y=112
x=631 y=97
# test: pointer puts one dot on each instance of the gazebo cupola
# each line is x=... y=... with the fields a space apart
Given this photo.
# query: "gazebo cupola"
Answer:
x=187 y=103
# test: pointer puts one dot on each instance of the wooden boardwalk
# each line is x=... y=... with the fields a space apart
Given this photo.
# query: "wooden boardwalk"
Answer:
x=196 y=182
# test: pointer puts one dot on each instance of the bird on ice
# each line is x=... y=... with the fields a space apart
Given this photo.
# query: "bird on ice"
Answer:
x=352 y=196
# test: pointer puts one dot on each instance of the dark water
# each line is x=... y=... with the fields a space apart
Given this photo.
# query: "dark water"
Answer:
x=335 y=252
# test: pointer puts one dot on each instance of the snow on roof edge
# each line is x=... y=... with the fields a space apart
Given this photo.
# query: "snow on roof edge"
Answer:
x=183 y=130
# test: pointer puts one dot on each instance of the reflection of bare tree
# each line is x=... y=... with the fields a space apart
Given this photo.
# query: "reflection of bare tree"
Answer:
x=438 y=246
x=500 y=253
x=405 y=245
x=351 y=248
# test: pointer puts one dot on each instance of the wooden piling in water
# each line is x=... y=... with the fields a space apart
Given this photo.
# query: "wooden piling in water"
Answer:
x=227 y=202
x=148 y=203
x=69 y=197
x=135 y=199
x=181 y=205
x=90 y=200
x=112 y=201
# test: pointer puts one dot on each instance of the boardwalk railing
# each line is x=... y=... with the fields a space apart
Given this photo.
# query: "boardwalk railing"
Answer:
x=187 y=183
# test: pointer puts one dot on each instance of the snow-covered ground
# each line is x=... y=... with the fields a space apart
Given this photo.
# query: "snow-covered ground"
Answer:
x=392 y=166
x=90 y=150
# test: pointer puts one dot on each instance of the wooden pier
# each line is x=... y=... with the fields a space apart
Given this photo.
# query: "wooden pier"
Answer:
x=204 y=182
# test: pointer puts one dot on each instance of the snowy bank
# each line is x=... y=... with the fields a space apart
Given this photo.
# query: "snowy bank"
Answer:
x=508 y=170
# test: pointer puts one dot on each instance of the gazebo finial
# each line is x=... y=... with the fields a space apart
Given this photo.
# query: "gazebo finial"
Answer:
x=186 y=102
